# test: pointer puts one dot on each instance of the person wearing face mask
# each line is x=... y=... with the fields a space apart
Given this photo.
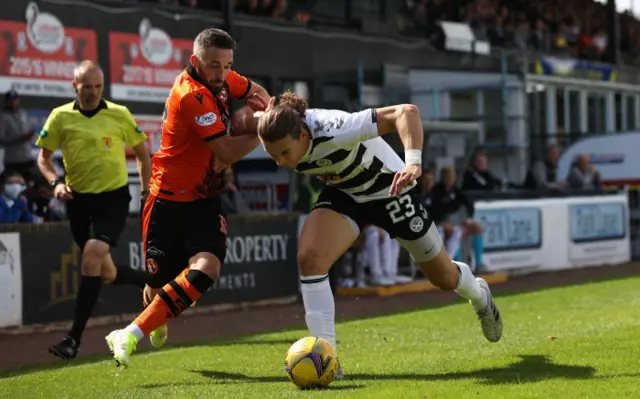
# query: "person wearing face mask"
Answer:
x=13 y=206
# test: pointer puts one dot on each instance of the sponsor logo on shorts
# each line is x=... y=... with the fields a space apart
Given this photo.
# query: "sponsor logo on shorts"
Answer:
x=152 y=266
x=207 y=119
x=416 y=224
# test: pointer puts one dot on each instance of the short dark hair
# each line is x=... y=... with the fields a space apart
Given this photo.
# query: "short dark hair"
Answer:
x=7 y=173
x=284 y=120
x=214 y=37
x=446 y=169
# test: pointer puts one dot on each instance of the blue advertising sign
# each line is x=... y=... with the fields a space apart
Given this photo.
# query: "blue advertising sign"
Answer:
x=597 y=222
x=510 y=229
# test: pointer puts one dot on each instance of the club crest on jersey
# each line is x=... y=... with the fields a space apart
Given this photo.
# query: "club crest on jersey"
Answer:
x=152 y=266
x=106 y=143
x=323 y=162
x=223 y=95
x=207 y=119
x=416 y=224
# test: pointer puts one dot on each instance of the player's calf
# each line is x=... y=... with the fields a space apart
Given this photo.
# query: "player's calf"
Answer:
x=438 y=267
x=173 y=299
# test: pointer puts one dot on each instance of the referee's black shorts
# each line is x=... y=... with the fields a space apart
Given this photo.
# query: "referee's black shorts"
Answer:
x=100 y=216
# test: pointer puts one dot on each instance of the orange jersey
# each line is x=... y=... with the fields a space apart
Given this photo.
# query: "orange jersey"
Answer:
x=184 y=168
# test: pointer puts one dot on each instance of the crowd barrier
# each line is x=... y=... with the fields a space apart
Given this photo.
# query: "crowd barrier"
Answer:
x=555 y=233
x=40 y=269
x=40 y=264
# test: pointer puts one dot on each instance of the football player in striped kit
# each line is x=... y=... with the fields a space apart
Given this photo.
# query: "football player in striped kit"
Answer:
x=367 y=183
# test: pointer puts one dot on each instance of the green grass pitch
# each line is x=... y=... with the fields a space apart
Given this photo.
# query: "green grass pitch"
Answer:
x=575 y=342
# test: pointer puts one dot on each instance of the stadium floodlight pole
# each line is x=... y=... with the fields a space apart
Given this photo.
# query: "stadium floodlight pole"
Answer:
x=228 y=15
x=612 y=53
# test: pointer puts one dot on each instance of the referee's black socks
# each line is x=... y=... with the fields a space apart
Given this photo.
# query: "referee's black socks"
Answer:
x=88 y=293
x=128 y=275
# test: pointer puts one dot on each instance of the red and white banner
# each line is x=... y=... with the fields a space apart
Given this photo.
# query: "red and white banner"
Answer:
x=151 y=125
x=145 y=65
x=37 y=58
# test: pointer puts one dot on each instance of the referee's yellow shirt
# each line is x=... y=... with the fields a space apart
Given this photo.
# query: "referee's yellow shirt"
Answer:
x=93 y=147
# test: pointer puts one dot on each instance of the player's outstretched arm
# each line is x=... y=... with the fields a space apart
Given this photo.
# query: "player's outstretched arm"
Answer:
x=231 y=149
x=202 y=114
x=371 y=123
x=406 y=120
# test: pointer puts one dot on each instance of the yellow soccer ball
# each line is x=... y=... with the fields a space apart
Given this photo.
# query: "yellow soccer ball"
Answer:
x=311 y=363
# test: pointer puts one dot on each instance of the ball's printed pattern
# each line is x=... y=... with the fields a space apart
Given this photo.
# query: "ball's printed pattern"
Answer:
x=311 y=363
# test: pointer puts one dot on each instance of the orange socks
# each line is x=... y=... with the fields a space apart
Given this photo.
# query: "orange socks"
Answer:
x=174 y=299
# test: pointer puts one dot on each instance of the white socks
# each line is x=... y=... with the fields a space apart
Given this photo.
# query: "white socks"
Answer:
x=453 y=243
x=468 y=287
x=135 y=330
x=320 y=307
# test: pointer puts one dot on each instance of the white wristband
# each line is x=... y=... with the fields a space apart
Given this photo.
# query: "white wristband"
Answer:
x=413 y=157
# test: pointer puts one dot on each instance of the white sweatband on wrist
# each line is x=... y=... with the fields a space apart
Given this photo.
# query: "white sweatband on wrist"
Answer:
x=413 y=157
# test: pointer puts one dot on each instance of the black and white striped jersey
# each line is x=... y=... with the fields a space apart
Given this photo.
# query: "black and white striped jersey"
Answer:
x=347 y=153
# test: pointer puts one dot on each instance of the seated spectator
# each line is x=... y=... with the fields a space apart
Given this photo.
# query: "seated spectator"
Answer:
x=477 y=177
x=543 y=174
x=446 y=201
x=583 y=175
x=381 y=253
x=42 y=204
x=232 y=200
x=13 y=205
x=426 y=181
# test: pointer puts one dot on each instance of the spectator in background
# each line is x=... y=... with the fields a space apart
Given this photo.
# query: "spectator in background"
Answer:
x=446 y=202
x=426 y=182
x=16 y=137
x=381 y=253
x=583 y=175
x=13 y=205
x=477 y=177
x=232 y=200
x=543 y=174
x=42 y=204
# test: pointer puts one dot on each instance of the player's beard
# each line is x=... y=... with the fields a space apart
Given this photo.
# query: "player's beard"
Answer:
x=215 y=86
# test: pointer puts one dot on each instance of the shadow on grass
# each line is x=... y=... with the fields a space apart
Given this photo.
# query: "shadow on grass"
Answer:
x=529 y=368
x=236 y=378
x=499 y=291
x=55 y=364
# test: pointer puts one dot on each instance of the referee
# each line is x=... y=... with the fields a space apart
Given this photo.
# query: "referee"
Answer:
x=93 y=134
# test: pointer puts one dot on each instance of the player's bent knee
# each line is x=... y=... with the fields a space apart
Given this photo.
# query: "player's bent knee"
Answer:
x=312 y=262
x=93 y=256
x=476 y=228
x=207 y=263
